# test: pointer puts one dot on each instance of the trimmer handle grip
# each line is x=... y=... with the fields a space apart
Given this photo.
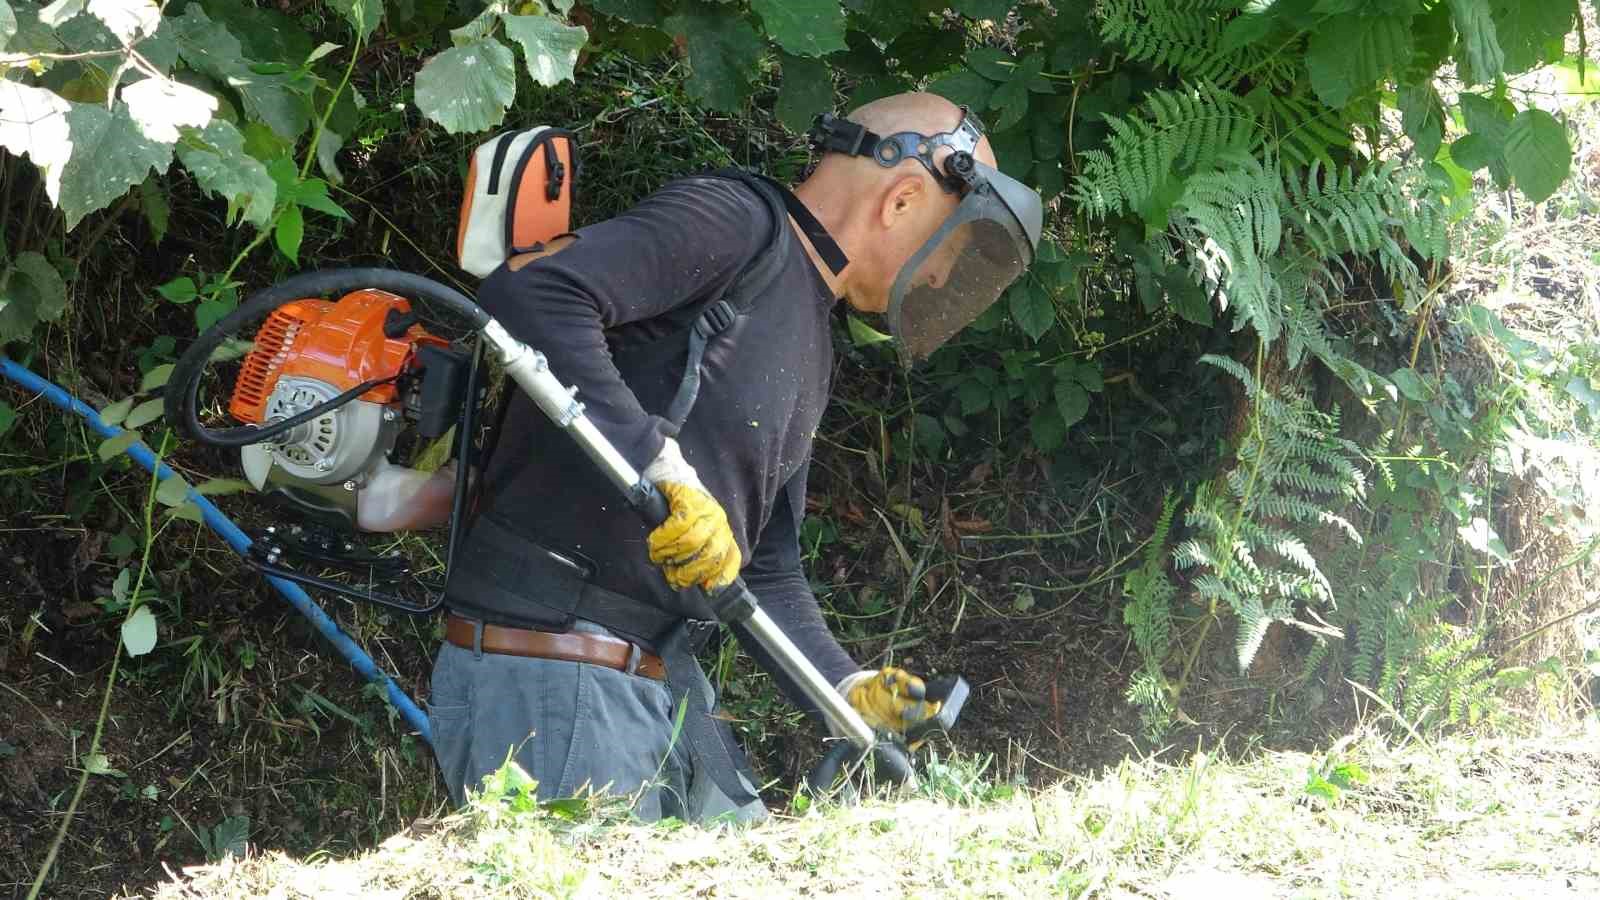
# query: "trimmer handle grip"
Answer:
x=951 y=691
x=891 y=763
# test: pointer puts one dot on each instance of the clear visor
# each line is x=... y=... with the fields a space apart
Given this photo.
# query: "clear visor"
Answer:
x=957 y=275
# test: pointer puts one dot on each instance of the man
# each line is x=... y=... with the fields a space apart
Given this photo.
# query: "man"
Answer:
x=565 y=647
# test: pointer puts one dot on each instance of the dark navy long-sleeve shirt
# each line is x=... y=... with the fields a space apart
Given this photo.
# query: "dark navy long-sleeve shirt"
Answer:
x=609 y=312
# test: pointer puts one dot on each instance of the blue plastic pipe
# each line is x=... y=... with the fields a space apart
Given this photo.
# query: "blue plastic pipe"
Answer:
x=236 y=539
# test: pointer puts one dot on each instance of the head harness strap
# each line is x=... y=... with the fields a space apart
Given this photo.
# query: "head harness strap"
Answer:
x=829 y=133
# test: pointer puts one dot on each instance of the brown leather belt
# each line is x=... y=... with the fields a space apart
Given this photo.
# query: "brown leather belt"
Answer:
x=573 y=646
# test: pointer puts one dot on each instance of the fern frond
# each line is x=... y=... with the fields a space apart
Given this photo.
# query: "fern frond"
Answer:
x=1172 y=134
x=1186 y=37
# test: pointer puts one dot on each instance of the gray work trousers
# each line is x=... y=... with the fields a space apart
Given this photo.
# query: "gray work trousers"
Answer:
x=570 y=725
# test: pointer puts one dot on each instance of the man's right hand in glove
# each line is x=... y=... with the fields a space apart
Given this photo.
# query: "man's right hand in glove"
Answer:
x=695 y=545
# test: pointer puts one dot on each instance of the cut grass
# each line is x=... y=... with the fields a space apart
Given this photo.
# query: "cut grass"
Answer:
x=1466 y=817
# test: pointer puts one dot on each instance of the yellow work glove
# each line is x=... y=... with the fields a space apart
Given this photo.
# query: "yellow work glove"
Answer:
x=889 y=699
x=694 y=545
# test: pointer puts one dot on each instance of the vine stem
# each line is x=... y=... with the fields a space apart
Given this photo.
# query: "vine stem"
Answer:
x=327 y=111
x=305 y=169
x=111 y=680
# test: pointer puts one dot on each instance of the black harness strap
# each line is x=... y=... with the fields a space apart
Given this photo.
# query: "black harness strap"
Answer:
x=751 y=283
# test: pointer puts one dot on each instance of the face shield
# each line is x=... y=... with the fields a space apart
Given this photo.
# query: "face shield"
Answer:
x=977 y=252
x=963 y=269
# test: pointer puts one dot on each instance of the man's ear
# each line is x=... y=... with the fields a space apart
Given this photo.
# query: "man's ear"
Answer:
x=902 y=198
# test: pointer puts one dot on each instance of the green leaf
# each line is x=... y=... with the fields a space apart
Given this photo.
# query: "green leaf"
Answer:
x=1411 y=385
x=153 y=203
x=974 y=397
x=864 y=335
x=1245 y=30
x=110 y=447
x=723 y=54
x=188 y=511
x=1422 y=117
x=8 y=24
x=1538 y=153
x=965 y=88
x=992 y=10
x=1189 y=300
x=639 y=12
x=1527 y=30
x=275 y=98
x=1487 y=116
x=173 y=491
x=209 y=312
x=114 y=413
x=8 y=417
x=363 y=15
x=217 y=159
x=179 y=290
x=144 y=413
x=1484 y=59
x=1474 y=151
x=467 y=89
x=1348 y=56
x=109 y=155
x=803 y=27
x=805 y=89
x=290 y=230
x=139 y=632
x=160 y=106
x=155 y=378
x=1481 y=537
x=1032 y=309
x=1011 y=99
x=99 y=763
x=122 y=584
x=548 y=47
x=31 y=291
x=991 y=63
x=217 y=487
x=1089 y=375
x=1072 y=401
x=1046 y=431
x=926 y=51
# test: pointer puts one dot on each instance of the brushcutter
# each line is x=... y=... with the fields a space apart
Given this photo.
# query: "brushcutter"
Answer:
x=331 y=392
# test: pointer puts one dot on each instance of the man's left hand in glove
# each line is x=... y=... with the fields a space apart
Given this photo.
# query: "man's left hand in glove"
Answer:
x=889 y=699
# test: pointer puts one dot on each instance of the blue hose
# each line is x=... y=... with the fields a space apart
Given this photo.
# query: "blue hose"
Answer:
x=236 y=539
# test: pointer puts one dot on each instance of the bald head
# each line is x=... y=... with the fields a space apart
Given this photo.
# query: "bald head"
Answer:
x=881 y=214
x=919 y=112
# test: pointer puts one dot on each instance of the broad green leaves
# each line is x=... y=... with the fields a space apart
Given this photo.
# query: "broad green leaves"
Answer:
x=217 y=159
x=139 y=632
x=549 y=47
x=1531 y=149
x=31 y=291
x=1538 y=153
x=109 y=155
x=8 y=24
x=363 y=15
x=467 y=89
x=1484 y=58
x=806 y=89
x=160 y=106
x=723 y=53
x=803 y=27
x=1348 y=60
x=33 y=123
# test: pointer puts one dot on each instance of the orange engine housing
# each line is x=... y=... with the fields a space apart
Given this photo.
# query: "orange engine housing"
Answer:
x=342 y=343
